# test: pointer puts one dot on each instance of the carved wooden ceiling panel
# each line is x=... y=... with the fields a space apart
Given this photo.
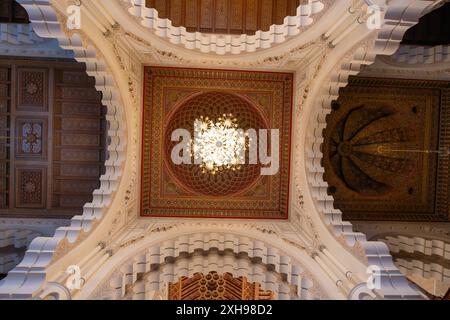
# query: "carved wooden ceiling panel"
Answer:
x=173 y=99
x=11 y=11
x=52 y=138
x=380 y=150
x=217 y=287
x=225 y=16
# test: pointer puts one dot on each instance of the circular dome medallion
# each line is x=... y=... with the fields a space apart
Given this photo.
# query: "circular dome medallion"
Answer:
x=213 y=105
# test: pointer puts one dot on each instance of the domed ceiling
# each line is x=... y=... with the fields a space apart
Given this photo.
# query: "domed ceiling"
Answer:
x=383 y=150
x=178 y=99
x=215 y=105
x=225 y=16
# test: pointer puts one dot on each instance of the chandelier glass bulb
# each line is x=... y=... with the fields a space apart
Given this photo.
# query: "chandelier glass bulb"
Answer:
x=218 y=145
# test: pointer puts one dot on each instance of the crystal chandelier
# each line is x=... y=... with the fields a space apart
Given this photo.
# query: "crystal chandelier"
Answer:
x=218 y=145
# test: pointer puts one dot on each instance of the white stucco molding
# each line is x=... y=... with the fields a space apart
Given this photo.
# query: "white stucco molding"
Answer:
x=428 y=247
x=238 y=263
x=428 y=230
x=414 y=55
x=360 y=48
x=224 y=44
x=397 y=243
x=171 y=242
x=43 y=253
x=414 y=62
x=282 y=56
x=413 y=267
x=21 y=40
x=14 y=33
x=56 y=291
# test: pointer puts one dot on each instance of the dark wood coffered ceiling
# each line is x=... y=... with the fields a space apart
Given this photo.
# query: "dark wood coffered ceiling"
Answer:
x=375 y=150
x=225 y=16
x=52 y=138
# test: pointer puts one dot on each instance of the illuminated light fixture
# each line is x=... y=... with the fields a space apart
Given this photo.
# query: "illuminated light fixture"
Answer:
x=218 y=145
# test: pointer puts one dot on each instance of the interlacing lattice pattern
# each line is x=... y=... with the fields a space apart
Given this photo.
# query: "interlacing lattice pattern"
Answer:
x=213 y=105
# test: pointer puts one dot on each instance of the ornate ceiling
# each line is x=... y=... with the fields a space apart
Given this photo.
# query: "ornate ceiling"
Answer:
x=380 y=150
x=217 y=287
x=214 y=105
x=219 y=28
x=174 y=99
x=225 y=16
x=315 y=225
x=52 y=138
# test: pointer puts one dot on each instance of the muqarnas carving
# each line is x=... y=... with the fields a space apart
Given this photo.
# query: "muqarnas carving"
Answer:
x=380 y=148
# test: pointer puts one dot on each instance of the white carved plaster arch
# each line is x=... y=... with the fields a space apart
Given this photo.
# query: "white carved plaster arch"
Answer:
x=18 y=34
x=137 y=257
x=360 y=292
x=417 y=244
x=163 y=51
x=21 y=40
x=413 y=55
x=397 y=243
x=411 y=244
x=345 y=60
x=205 y=261
x=413 y=62
x=46 y=254
x=424 y=270
x=224 y=44
x=429 y=230
x=55 y=291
